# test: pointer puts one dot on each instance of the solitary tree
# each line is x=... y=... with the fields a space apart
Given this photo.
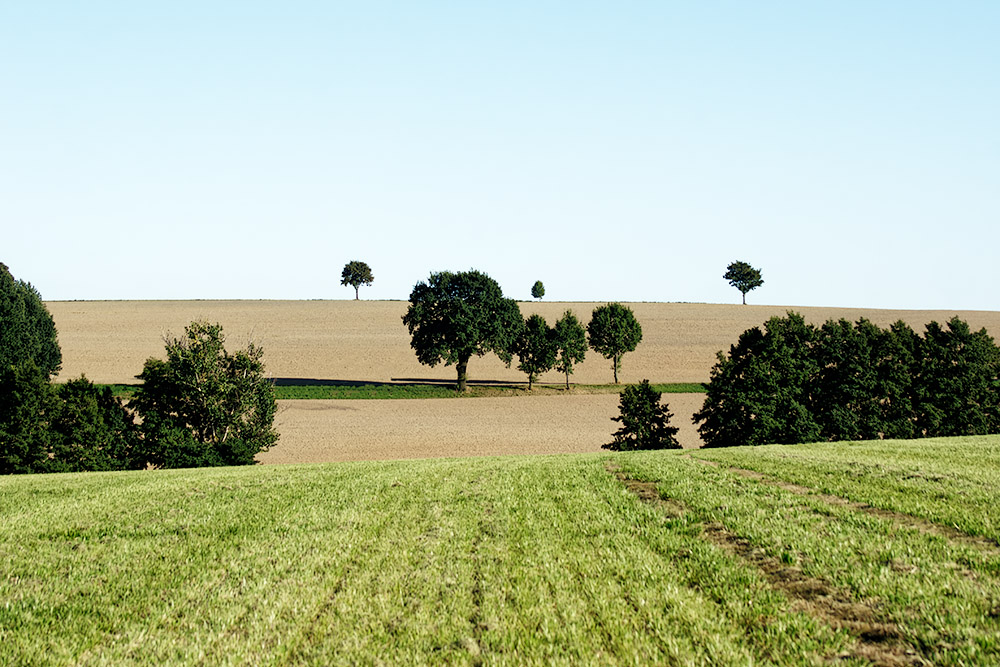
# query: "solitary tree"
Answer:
x=27 y=331
x=204 y=406
x=743 y=277
x=356 y=274
x=537 y=290
x=645 y=421
x=536 y=348
x=571 y=343
x=613 y=331
x=454 y=316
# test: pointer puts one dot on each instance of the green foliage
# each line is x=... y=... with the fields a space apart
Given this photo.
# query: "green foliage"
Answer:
x=959 y=381
x=645 y=421
x=759 y=393
x=536 y=348
x=613 y=331
x=743 y=277
x=92 y=430
x=571 y=343
x=454 y=316
x=537 y=290
x=27 y=331
x=356 y=274
x=204 y=406
x=25 y=403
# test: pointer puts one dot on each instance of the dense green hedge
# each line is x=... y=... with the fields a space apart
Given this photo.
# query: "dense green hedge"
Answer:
x=793 y=382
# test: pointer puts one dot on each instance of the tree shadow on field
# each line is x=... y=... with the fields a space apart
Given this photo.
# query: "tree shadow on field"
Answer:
x=394 y=382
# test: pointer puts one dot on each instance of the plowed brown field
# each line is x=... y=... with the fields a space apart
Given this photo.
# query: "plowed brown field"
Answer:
x=109 y=341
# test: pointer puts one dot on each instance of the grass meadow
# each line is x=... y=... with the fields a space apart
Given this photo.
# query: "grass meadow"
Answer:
x=855 y=553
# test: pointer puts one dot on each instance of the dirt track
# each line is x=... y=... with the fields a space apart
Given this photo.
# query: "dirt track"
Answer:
x=109 y=341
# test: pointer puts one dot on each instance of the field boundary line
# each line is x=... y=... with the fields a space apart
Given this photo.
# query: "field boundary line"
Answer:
x=876 y=639
x=925 y=526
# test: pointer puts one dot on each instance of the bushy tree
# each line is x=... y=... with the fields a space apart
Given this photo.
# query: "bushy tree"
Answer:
x=759 y=393
x=454 y=316
x=25 y=404
x=613 y=331
x=356 y=274
x=204 y=406
x=743 y=277
x=92 y=430
x=570 y=339
x=536 y=348
x=959 y=381
x=645 y=421
x=537 y=290
x=27 y=331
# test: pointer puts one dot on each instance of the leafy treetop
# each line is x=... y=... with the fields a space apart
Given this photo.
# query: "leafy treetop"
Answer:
x=27 y=331
x=453 y=316
x=537 y=290
x=356 y=274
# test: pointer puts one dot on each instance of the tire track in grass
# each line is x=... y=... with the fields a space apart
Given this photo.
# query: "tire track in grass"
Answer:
x=876 y=639
x=984 y=544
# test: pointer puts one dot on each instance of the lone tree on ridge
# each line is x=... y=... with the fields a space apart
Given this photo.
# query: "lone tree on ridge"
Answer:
x=613 y=331
x=743 y=277
x=537 y=290
x=356 y=274
x=453 y=316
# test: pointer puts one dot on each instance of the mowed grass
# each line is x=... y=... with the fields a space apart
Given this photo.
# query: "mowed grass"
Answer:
x=820 y=554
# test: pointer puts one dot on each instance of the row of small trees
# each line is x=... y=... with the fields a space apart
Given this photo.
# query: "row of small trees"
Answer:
x=793 y=382
x=455 y=316
x=201 y=406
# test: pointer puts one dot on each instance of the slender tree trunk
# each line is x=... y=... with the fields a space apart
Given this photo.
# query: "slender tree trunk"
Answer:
x=615 y=366
x=744 y=298
x=355 y=293
x=567 y=381
x=463 y=373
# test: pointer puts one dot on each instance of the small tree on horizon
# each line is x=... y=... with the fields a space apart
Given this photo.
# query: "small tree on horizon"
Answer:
x=536 y=348
x=613 y=331
x=743 y=277
x=645 y=421
x=538 y=290
x=571 y=343
x=356 y=274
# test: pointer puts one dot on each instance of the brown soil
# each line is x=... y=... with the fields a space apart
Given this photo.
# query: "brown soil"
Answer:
x=108 y=341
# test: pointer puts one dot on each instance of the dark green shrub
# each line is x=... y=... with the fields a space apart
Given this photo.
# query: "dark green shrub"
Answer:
x=25 y=403
x=645 y=421
x=92 y=430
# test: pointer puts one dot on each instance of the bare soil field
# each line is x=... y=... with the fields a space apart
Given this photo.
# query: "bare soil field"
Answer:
x=355 y=341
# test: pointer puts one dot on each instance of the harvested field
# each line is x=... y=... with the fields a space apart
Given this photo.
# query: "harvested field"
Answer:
x=354 y=341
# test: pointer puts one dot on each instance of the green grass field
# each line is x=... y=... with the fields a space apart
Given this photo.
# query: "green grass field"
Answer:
x=853 y=554
x=391 y=390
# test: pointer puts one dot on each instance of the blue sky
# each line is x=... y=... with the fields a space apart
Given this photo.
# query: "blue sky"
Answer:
x=615 y=151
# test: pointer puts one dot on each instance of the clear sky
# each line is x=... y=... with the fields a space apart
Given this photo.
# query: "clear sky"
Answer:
x=614 y=150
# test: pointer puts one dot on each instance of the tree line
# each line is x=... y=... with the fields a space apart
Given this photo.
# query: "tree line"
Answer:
x=455 y=316
x=793 y=382
x=201 y=406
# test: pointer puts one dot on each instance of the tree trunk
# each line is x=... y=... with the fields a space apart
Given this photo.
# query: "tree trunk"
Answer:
x=744 y=298
x=567 y=381
x=615 y=366
x=463 y=373
x=355 y=293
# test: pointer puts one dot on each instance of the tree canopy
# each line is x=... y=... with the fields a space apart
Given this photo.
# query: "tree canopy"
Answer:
x=455 y=316
x=613 y=331
x=570 y=339
x=204 y=406
x=743 y=277
x=27 y=331
x=537 y=290
x=536 y=348
x=356 y=274
x=645 y=421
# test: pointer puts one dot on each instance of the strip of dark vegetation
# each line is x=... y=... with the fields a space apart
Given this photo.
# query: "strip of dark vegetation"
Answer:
x=313 y=389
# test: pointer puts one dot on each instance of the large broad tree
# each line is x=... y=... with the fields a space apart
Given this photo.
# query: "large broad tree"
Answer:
x=613 y=331
x=27 y=331
x=453 y=316
x=571 y=343
x=356 y=274
x=204 y=406
x=536 y=348
x=743 y=277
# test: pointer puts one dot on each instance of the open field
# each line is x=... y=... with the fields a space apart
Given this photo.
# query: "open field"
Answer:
x=813 y=554
x=365 y=341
